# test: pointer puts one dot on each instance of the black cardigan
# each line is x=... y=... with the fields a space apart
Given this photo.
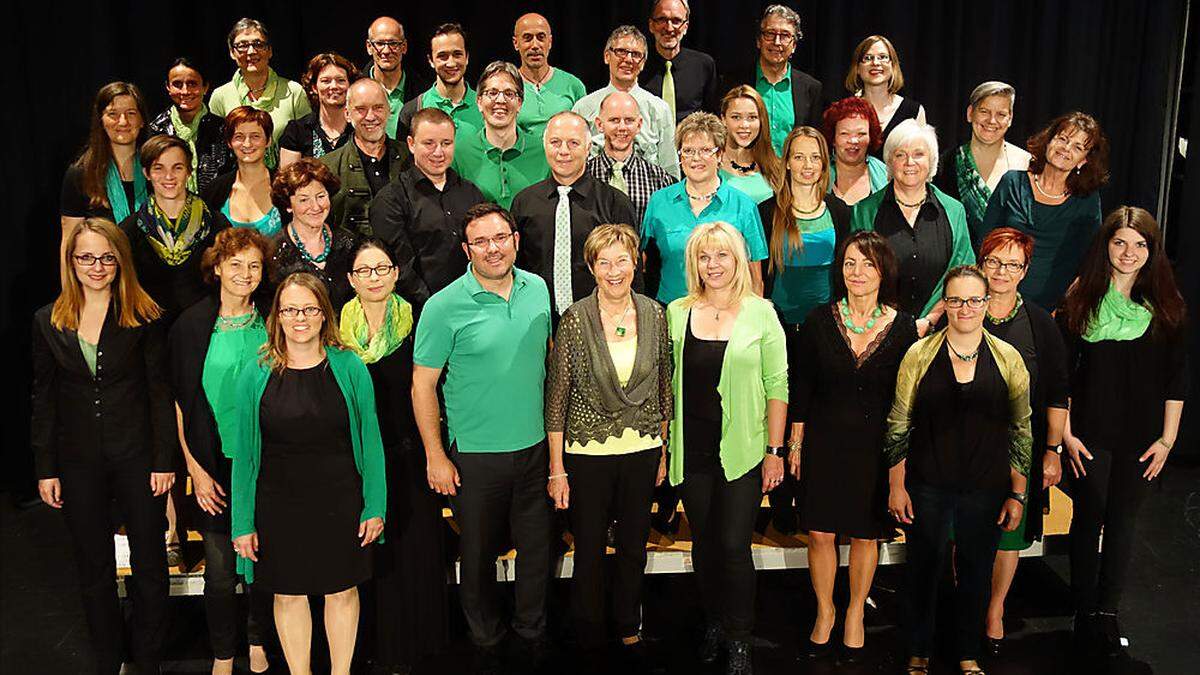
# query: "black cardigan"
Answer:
x=838 y=211
x=123 y=413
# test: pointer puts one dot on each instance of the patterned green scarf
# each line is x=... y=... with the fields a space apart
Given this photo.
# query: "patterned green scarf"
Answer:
x=175 y=241
x=1118 y=318
x=973 y=191
x=397 y=324
x=187 y=132
x=115 y=191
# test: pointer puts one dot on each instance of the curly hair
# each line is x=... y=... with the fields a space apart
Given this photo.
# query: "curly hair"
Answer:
x=1091 y=176
x=313 y=71
x=228 y=243
x=298 y=174
x=852 y=106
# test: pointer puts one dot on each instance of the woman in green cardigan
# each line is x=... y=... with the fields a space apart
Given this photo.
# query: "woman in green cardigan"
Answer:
x=309 y=488
x=926 y=229
x=726 y=435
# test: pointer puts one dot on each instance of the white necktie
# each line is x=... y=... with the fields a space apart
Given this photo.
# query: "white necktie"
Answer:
x=563 y=295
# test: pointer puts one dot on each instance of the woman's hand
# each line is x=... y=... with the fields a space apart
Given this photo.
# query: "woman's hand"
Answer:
x=560 y=491
x=1157 y=454
x=442 y=476
x=247 y=546
x=50 y=490
x=1077 y=452
x=900 y=505
x=161 y=482
x=1051 y=470
x=1010 y=514
x=772 y=473
x=209 y=492
x=662 y=471
x=794 y=462
x=370 y=529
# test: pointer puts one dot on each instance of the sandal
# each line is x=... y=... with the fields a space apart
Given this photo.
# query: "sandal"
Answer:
x=917 y=666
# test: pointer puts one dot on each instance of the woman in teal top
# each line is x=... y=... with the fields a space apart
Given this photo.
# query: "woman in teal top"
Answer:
x=243 y=196
x=309 y=488
x=726 y=436
x=211 y=343
x=749 y=162
x=852 y=131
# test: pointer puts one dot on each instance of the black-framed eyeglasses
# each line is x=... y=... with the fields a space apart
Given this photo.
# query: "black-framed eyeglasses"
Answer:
x=495 y=94
x=244 y=47
x=783 y=37
x=976 y=302
x=382 y=45
x=482 y=243
x=632 y=55
x=311 y=311
x=875 y=58
x=87 y=259
x=673 y=21
x=381 y=270
x=996 y=264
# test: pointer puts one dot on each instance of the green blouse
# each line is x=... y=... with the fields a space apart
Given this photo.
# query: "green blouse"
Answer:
x=89 y=353
x=230 y=348
x=755 y=185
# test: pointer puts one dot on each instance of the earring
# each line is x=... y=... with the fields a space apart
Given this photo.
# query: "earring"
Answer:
x=1076 y=171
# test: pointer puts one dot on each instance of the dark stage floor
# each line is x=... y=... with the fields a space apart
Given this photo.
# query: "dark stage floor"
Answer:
x=42 y=629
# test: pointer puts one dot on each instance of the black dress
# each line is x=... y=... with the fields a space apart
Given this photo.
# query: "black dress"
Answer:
x=843 y=402
x=410 y=564
x=309 y=497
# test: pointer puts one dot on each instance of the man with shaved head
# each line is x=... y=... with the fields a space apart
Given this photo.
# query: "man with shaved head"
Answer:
x=387 y=46
x=617 y=164
x=556 y=215
x=366 y=165
x=548 y=90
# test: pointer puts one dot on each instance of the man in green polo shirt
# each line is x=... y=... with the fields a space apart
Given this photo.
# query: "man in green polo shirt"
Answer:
x=490 y=330
x=548 y=90
x=501 y=159
x=387 y=47
x=448 y=56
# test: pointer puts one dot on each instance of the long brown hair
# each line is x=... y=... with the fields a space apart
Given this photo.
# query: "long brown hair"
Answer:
x=1091 y=176
x=1153 y=287
x=761 y=150
x=783 y=223
x=133 y=305
x=98 y=154
x=274 y=352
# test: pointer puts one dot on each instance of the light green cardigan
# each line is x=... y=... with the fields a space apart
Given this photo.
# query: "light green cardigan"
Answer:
x=355 y=382
x=754 y=370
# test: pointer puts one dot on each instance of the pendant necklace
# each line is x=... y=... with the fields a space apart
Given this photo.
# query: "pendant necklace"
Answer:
x=967 y=357
x=849 y=323
x=619 y=320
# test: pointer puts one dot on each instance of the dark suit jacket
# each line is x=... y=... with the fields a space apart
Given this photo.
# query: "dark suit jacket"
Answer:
x=351 y=206
x=123 y=413
x=807 y=103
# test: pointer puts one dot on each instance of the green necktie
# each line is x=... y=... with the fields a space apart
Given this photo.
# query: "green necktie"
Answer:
x=617 y=179
x=668 y=92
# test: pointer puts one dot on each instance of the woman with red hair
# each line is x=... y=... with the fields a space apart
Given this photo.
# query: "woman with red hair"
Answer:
x=852 y=131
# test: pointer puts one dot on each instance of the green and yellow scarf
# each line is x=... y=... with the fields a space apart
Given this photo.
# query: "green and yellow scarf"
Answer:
x=174 y=241
x=397 y=324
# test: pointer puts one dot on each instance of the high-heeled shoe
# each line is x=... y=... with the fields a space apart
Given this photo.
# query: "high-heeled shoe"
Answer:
x=739 y=659
x=993 y=646
x=848 y=654
x=710 y=646
x=816 y=650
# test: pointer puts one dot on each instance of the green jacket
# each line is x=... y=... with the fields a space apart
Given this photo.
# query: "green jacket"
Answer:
x=351 y=206
x=863 y=218
x=355 y=382
x=754 y=369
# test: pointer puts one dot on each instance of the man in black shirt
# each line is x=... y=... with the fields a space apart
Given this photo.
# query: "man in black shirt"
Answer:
x=555 y=216
x=418 y=214
x=368 y=163
x=685 y=78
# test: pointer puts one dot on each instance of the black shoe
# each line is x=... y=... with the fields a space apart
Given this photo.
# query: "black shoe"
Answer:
x=816 y=650
x=848 y=654
x=1085 y=634
x=739 y=659
x=993 y=646
x=710 y=647
x=1109 y=633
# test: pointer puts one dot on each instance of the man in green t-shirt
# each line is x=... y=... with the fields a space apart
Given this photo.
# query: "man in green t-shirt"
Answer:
x=448 y=56
x=548 y=90
x=387 y=47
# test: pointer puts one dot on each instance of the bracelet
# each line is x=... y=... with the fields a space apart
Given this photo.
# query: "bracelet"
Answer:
x=1017 y=496
x=557 y=475
x=795 y=446
x=1163 y=443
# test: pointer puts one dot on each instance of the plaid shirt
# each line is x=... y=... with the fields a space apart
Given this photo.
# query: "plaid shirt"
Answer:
x=642 y=177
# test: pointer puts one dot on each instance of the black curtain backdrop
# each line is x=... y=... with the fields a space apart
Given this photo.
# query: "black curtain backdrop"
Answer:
x=1116 y=60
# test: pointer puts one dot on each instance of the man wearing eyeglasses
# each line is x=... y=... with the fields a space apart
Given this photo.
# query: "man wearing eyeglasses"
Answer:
x=450 y=93
x=792 y=97
x=625 y=54
x=387 y=46
x=501 y=158
x=548 y=90
x=684 y=78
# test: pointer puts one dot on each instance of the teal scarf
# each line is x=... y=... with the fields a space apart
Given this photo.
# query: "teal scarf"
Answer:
x=1118 y=318
x=121 y=208
x=973 y=191
x=187 y=133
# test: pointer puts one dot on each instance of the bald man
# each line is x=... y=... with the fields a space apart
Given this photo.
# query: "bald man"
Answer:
x=387 y=46
x=365 y=166
x=619 y=121
x=570 y=200
x=548 y=90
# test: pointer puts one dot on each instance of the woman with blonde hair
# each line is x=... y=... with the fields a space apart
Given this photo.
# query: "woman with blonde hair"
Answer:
x=875 y=75
x=726 y=435
x=749 y=162
x=309 y=491
x=103 y=428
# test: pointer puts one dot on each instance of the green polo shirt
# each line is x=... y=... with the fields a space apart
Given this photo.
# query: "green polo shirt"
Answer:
x=559 y=93
x=499 y=174
x=395 y=100
x=465 y=113
x=494 y=353
x=778 y=99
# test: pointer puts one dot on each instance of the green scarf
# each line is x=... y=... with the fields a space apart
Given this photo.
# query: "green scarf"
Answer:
x=1118 y=318
x=973 y=191
x=121 y=207
x=187 y=132
x=266 y=102
x=397 y=324
x=174 y=241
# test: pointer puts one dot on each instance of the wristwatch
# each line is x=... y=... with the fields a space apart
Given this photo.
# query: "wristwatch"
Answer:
x=776 y=450
x=1056 y=449
x=1019 y=496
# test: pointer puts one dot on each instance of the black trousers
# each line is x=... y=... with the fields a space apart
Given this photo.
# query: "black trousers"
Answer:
x=221 y=603
x=603 y=488
x=88 y=492
x=721 y=514
x=971 y=517
x=1108 y=497
x=502 y=493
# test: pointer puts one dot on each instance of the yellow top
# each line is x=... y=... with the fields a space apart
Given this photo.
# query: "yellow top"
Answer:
x=623 y=354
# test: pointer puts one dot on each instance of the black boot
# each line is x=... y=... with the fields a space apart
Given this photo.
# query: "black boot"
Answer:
x=710 y=647
x=739 y=659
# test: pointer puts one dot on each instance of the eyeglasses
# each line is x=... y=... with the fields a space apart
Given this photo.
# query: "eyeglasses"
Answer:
x=974 y=303
x=87 y=259
x=385 y=45
x=673 y=21
x=996 y=264
x=622 y=53
x=780 y=36
x=382 y=270
x=244 y=47
x=495 y=94
x=293 y=312
x=482 y=243
x=875 y=58
x=698 y=153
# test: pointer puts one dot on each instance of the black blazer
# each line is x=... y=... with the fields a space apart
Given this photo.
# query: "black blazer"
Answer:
x=123 y=413
x=807 y=104
x=838 y=211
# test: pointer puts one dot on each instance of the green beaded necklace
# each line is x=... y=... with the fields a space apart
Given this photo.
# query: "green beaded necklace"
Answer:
x=849 y=324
